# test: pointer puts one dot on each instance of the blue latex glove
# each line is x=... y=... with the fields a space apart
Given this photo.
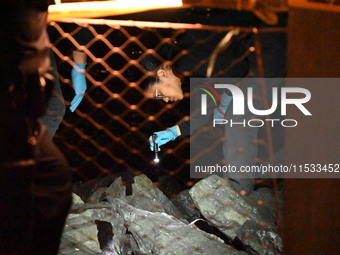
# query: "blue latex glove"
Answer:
x=79 y=84
x=220 y=110
x=163 y=137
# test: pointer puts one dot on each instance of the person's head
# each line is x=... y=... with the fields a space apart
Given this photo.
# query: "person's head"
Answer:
x=167 y=86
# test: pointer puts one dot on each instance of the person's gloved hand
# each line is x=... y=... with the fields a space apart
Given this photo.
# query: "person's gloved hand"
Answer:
x=163 y=137
x=220 y=110
x=79 y=84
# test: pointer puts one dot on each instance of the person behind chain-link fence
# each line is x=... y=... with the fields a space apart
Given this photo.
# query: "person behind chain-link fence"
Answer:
x=167 y=87
x=239 y=147
x=56 y=107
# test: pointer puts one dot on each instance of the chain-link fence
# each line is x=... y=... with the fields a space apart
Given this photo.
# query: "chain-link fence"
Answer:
x=109 y=131
x=108 y=134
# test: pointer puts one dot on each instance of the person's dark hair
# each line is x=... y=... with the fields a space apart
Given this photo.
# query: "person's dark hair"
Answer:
x=150 y=63
x=147 y=83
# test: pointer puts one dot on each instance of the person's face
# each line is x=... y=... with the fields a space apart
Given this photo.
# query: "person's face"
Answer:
x=167 y=87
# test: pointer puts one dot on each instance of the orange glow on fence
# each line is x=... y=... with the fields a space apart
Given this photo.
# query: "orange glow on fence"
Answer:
x=106 y=8
x=332 y=6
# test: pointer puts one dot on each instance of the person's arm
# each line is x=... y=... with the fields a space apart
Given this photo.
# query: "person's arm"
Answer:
x=79 y=57
x=78 y=78
x=163 y=137
x=185 y=127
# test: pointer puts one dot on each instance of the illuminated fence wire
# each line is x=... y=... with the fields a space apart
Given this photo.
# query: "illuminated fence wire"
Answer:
x=108 y=133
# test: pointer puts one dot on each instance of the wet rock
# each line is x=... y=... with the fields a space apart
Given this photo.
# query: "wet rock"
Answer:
x=159 y=233
x=260 y=237
x=266 y=203
x=76 y=199
x=80 y=232
x=186 y=206
x=80 y=235
x=87 y=189
x=235 y=215
x=143 y=220
x=144 y=196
